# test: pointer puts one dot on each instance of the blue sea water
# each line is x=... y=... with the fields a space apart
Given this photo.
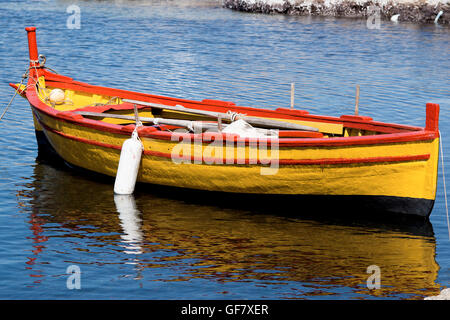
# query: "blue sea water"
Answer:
x=154 y=246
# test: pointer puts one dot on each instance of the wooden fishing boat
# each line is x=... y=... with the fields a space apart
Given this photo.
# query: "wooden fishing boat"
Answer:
x=387 y=166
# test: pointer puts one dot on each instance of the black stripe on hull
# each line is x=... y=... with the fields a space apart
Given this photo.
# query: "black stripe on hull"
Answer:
x=303 y=205
x=286 y=204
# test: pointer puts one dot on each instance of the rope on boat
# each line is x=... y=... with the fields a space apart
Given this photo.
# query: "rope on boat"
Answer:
x=42 y=60
x=25 y=75
x=445 y=188
x=99 y=104
x=234 y=115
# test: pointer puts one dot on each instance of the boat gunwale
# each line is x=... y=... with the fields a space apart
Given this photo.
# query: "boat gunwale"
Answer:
x=289 y=114
x=411 y=134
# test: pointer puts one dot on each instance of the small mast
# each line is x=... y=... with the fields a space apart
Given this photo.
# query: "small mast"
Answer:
x=32 y=47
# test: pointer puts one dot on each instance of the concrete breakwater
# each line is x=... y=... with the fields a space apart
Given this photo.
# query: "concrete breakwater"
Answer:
x=420 y=11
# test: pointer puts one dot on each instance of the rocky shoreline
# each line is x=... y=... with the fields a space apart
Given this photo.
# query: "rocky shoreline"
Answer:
x=419 y=11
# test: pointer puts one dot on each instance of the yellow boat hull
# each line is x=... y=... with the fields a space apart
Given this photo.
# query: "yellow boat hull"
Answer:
x=407 y=186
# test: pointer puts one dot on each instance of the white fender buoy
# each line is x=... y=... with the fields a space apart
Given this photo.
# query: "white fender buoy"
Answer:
x=56 y=96
x=438 y=16
x=127 y=171
x=394 y=18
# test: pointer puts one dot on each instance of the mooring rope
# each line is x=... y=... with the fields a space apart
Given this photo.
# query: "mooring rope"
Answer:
x=24 y=76
x=443 y=179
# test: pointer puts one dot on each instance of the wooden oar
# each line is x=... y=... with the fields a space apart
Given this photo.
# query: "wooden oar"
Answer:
x=256 y=121
x=171 y=122
x=195 y=126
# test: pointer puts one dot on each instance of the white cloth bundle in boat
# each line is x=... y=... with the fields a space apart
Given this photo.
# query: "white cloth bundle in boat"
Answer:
x=245 y=130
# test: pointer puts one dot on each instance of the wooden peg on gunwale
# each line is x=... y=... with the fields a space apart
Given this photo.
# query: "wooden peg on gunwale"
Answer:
x=357 y=100
x=292 y=95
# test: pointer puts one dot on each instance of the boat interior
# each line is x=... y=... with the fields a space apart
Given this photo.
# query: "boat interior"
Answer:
x=121 y=109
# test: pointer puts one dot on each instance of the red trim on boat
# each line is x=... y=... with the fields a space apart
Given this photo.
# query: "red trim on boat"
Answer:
x=432 y=122
x=286 y=162
x=316 y=142
x=420 y=157
x=32 y=46
x=87 y=141
x=148 y=132
x=408 y=134
x=223 y=106
x=299 y=134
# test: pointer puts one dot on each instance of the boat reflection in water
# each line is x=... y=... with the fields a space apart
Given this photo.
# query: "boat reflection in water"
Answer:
x=130 y=222
x=286 y=256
